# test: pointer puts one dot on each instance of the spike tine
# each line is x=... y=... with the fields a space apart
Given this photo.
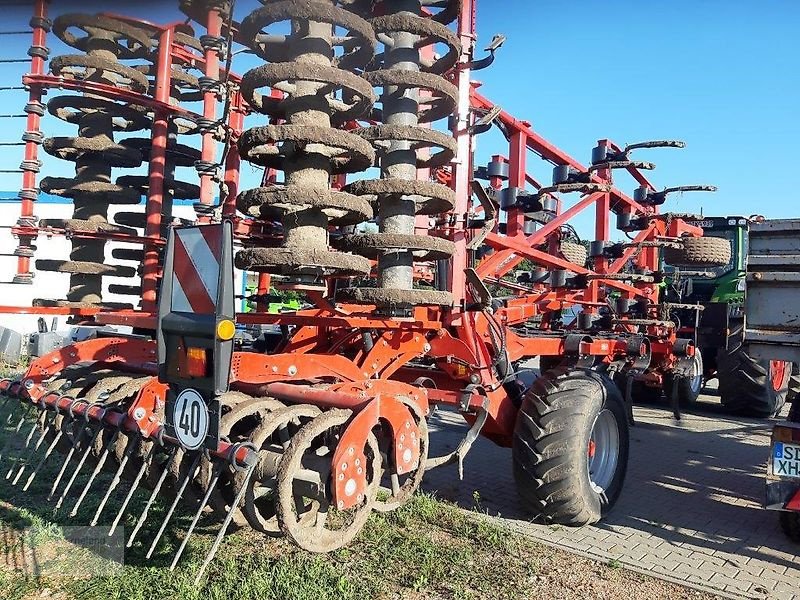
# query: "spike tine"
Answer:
x=190 y=474
x=79 y=467
x=212 y=484
x=27 y=444
x=221 y=534
x=162 y=478
x=75 y=443
x=47 y=454
x=50 y=419
x=145 y=464
x=101 y=461
x=129 y=449
x=25 y=461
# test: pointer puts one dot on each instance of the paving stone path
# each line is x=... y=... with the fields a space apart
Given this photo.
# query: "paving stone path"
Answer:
x=690 y=511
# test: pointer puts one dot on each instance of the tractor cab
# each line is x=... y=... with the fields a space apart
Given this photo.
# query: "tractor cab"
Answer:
x=722 y=284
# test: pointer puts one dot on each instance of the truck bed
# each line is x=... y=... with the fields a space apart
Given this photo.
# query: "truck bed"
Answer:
x=772 y=305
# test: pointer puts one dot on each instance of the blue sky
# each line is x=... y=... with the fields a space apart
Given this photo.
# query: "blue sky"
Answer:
x=720 y=75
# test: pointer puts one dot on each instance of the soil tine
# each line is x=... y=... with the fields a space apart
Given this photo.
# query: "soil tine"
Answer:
x=221 y=534
x=47 y=454
x=77 y=470
x=101 y=460
x=145 y=464
x=212 y=484
x=190 y=474
x=153 y=495
x=75 y=443
x=129 y=450
x=27 y=443
x=25 y=461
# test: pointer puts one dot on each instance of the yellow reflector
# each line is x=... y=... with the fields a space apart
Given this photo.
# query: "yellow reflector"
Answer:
x=226 y=329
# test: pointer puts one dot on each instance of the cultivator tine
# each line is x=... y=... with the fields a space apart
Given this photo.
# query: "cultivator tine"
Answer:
x=159 y=484
x=190 y=474
x=212 y=485
x=25 y=461
x=47 y=454
x=78 y=469
x=148 y=459
x=75 y=444
x=38 y=422
x=225 y=523
x=129 y=450
x=101 y=461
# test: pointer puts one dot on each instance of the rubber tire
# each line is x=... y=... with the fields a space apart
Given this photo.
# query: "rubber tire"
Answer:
x=745 y=385
x=687 y=397
x=574 y=253
x=550 y=444
x=699 y=252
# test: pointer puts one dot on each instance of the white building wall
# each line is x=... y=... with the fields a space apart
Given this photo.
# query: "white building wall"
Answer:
x=54 y=285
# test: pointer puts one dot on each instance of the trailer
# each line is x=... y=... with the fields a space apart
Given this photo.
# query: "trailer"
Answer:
x=772 y=311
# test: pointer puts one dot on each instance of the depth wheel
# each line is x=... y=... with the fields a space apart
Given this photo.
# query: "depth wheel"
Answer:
x=570 y=447
x=689 y=387
x=305 y=509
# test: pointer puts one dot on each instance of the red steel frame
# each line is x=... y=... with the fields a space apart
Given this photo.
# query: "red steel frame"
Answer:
x=458 y=345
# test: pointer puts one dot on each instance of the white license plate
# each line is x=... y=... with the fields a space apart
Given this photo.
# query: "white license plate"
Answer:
x=786 y=460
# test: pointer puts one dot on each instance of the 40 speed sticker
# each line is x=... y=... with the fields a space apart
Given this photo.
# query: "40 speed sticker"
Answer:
x=190 y=419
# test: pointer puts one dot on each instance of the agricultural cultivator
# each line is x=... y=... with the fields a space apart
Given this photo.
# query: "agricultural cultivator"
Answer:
x=429 y=281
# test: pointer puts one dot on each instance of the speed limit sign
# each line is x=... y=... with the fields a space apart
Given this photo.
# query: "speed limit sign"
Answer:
x=190 y=419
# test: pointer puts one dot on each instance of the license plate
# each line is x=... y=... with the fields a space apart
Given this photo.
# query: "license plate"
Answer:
x=703 y=224
x=786 y=460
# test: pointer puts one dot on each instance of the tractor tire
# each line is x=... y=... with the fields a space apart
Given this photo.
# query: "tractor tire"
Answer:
x=574 y=253
x=699 y=252
x=570 y=446
x=750 y=387
x=689 y=388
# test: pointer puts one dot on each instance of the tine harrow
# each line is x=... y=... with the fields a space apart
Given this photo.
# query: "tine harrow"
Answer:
x=365 y=211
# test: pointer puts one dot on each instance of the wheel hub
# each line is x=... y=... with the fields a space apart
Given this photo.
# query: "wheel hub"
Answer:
x=603 y=453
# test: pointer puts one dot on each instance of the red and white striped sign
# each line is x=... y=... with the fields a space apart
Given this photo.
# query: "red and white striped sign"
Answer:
x=196 y=266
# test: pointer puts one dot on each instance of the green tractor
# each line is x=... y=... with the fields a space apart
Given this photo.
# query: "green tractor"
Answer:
x=747 y=386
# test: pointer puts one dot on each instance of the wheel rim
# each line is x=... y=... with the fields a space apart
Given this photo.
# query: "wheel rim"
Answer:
x=603 y=452
x=778 y=374
x=696 y=378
